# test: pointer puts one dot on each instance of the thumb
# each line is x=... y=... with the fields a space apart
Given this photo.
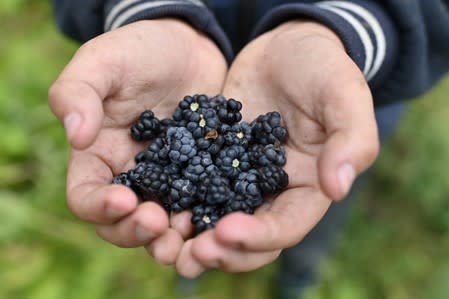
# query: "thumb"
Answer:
x=352 y=142
x=76 y=97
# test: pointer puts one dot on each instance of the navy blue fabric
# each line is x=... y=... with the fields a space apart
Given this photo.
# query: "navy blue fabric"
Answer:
x=417 y=33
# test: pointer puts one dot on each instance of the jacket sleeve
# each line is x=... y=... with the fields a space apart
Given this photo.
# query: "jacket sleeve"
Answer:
x=85 y=19
x=401 y=46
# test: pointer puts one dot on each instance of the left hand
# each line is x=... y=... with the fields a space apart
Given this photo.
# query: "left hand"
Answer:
x=300 y=69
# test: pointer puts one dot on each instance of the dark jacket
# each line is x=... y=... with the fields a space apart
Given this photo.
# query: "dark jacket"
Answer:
x=402 y=46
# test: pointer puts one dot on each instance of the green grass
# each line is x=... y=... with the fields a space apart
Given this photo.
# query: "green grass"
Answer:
x=395 y=245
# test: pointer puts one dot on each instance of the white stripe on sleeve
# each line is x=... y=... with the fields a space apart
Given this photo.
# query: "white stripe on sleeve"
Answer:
x=376 y=28
x=361 y=31
x=116 y=10
x=126 y=9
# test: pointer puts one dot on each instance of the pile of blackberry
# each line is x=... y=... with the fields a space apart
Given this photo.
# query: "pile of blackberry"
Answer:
x=207 y=160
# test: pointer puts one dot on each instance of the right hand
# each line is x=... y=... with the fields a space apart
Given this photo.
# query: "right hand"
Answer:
x=149 y=64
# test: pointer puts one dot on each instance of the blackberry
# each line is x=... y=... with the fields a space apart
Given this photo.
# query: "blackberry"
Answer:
x=205 y=217
x=203 y=184
x=135 y=174
x=229 y=111
x=182 y=145
x=147 y=127
x=240 y=203
x=167 y=123
x=149 y=180
x=233 y=160
x=188 y=109
x=265 y=155
x=218 y=190
x=212 y=142
x=247 y=183
x=198 y=167
x=275 y=153
x=181 y=195
x=140 y=157
x=267 y=129
x=157 y=152
x=122 y=179
x=273 y=179
x=238 y=134
x=207 y=122
x=174 y=171
x=217 y=101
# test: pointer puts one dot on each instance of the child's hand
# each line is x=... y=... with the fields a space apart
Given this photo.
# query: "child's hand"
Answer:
x=101 y=92
x=302 y=71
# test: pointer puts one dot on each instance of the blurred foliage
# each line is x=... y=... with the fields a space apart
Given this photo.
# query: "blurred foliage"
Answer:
x=395 y=245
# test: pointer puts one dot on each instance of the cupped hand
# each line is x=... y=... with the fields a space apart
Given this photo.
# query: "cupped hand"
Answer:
x=111 y=79
x=300 y=69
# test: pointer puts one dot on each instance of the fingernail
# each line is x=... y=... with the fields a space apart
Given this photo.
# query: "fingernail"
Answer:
x=113 y=213
x=143 y=235
x=71 y=124
x=346 y=176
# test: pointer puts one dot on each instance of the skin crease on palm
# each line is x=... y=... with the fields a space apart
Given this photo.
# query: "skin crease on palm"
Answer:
x=299 y=69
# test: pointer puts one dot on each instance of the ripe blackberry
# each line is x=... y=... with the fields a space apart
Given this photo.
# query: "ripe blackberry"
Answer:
x=157 y=152
x=211 y=143
x=229 y=111
x=174 y=171
x=217 y=101
x=181 y=195
x=205 y=217
x=182 y=145
x=198 y=167
x=203 y=184
x=265 y=155
x=267 y=129
x=238 y=134
x=207 y=122
x=122 y=179
x=188 y=109
x=273 y=179
x=135 y=173
x=247 y=183
x=147 y=127
x=153 y=182
x=233 y=160
x=218 y=190
x=140 y=157
x=167 y=123
x=275 y=153
x=240 y=203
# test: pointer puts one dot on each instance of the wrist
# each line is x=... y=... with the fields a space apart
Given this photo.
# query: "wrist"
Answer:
x=189 y=40
x=304 y=30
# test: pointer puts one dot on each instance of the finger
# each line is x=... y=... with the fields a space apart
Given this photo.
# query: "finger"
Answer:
x=166 y=248
x=182 y=224
x=210 y=254
x=76 y=96
x=353 y=143
x=146 y=223
x=90 y=194
x=284 y=224
x=187 y=266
